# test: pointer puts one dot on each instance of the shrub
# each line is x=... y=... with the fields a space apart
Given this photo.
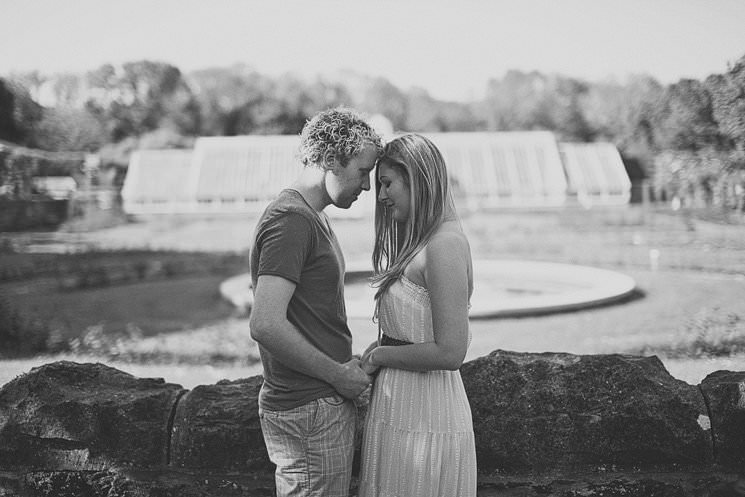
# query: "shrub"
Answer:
x=716 y=333
x=708 y=333
x=20 y=335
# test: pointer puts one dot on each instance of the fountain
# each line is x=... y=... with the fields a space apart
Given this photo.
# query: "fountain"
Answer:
x=502 y=288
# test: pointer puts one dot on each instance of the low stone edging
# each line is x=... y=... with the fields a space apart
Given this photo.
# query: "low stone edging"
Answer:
x=545 y=424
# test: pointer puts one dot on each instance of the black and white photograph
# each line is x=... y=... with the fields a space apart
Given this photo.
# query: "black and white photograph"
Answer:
x=372 y=248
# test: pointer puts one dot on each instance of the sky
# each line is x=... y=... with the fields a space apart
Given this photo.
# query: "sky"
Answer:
x=449 y=48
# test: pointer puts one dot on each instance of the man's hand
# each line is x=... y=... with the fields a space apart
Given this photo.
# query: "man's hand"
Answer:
x=352 y=381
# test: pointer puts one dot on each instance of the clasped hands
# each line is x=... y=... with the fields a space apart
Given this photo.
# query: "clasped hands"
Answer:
x=356 y=374
x=366 y=361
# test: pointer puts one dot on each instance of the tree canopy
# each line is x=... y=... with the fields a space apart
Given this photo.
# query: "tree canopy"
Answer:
x=150 y=104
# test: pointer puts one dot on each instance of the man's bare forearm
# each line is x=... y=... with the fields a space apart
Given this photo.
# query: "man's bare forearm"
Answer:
x=285 y=343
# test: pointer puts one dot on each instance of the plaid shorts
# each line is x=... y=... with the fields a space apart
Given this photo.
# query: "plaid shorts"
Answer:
x=312 y=446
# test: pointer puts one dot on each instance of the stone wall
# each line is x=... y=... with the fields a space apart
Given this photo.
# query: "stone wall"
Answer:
x=546 y=425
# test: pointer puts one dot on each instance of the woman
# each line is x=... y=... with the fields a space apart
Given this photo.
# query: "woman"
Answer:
x=418 y=434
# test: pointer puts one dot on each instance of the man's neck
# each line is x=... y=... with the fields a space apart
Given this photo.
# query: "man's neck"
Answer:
x=310 y=185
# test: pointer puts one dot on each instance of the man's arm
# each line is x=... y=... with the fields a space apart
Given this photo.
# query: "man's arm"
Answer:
x=270 y=327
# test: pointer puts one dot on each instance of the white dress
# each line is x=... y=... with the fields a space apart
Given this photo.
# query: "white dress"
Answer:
x=418 y=438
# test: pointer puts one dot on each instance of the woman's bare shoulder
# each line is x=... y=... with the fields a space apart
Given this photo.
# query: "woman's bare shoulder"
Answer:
x=446 y=250
x=447 y=239
x=449 y=251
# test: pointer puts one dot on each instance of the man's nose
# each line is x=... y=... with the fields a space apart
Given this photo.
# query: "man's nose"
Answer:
x=366 y=184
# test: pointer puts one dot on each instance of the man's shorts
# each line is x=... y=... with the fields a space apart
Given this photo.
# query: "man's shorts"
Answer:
x=312 y=446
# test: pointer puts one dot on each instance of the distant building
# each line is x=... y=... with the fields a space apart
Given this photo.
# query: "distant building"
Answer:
x=223 y=175
x=596 y=174
x=56 y=187
x=156 y=182
x=515 y=169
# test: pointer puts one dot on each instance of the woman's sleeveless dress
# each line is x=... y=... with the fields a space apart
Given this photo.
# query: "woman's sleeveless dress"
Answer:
x=418 y=438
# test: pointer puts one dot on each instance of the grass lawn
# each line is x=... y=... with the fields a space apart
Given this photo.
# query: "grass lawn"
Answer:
x=667 y=315
x=151 y=307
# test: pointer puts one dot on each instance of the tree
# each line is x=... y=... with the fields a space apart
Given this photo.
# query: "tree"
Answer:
x=624 y=114
x=25 y=113
x=67 y=90
x=534 y=101
x=8 y=129
x=568 y=118
x=685 y=118
x=728 y=100
x=382 y=97
x=511 y=102
x=69 y=129
x=219 y=92
x=423 y=113
x=262 y=115
x=141 y=97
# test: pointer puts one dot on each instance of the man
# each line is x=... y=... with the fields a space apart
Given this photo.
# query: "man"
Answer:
x=298 y=316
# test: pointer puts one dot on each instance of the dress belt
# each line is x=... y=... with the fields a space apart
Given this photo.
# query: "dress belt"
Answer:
x=386 y=340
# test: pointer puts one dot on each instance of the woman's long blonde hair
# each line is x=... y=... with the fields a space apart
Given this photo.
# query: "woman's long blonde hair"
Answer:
x=396 y=244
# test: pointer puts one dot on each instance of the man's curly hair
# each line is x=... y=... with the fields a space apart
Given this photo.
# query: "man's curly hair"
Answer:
x=335 y=134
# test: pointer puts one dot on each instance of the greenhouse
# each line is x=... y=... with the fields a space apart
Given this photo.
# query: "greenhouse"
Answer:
x=240 y=174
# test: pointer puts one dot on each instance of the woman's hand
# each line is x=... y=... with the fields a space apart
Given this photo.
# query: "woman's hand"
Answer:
x=369 y=348
x=366 y=361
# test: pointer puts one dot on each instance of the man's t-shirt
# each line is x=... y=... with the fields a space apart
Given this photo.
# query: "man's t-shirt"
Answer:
x=295 y=242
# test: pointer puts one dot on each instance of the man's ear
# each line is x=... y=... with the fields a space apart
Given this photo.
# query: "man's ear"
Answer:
x=334 y=167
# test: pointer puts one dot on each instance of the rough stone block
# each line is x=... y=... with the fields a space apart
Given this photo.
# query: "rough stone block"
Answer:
x=724 y=392
x=66 y=415
x=218 y=427
x=552 y=412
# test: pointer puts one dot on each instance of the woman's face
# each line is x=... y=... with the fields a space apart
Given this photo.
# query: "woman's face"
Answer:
x=394 y=192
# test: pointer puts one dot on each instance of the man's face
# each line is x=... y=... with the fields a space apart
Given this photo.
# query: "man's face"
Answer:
x=344 y=184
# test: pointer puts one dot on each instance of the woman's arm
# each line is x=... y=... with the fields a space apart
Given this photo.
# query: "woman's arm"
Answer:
x=446 y=278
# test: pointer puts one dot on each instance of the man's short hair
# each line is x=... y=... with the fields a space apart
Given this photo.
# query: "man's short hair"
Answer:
x=335 y=134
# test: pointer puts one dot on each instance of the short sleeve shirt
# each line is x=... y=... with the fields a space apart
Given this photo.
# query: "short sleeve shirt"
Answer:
x=295 y=242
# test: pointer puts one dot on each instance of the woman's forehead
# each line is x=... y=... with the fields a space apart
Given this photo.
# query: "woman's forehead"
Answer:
x=385 y=168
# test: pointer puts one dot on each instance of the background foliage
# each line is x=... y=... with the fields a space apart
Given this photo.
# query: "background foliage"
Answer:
x=149 y=104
